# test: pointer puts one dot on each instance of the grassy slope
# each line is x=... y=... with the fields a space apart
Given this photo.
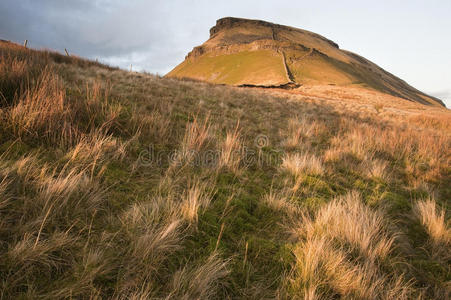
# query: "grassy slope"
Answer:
x=85 y=211
x=313 y=69
x=263 y=67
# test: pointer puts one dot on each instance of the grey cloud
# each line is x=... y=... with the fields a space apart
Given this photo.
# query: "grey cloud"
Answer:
x=101 y=29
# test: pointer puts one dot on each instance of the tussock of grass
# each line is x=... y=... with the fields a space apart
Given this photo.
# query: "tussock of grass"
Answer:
x=196 y=138
x=350 y=220
x=200 y=282
x=151 y=238
x=375 y=168
x=196 y=197
x=279 y=201
x=41 y=112
x=342 y=251
x=299 y=164
x=231 y=151
x=433 y=220
x=300 y=130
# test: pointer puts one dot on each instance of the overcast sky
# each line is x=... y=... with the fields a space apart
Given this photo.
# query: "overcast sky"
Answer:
x=411 y=39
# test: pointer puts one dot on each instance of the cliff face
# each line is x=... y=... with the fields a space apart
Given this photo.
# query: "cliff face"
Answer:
x=246 y=52
x=228 y=23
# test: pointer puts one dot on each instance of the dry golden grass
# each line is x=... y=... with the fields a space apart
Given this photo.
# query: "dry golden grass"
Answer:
x=375 y=168
x=93 y=151
x=201 y=282
x=280 y=201
x=50 y=200
x=300 y=131
x=323 y=272
x=350 y=220
x=196 y=197
x=197 y=135
x=421 y=151
x=342 y=252
x=231 y=151
x=156 y=124
x=300 y=164
x=41 y=112
x=433 y=220
x=152 y=234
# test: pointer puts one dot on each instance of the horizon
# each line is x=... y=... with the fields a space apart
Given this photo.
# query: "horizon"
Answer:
x=155 y=37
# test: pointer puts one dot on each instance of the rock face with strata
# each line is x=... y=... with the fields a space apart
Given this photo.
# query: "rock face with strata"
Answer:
x=256 y=53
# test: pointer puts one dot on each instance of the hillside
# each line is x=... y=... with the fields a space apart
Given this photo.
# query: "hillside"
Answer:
x=124 y=185
x=244 y=52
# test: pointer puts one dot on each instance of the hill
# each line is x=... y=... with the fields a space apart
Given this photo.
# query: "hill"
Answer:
x=124 y=185
x=246 y=52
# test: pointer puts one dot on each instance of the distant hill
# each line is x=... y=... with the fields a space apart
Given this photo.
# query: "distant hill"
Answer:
x=244 y=52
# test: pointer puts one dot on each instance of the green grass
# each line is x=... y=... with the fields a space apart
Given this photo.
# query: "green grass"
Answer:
x=262 y=67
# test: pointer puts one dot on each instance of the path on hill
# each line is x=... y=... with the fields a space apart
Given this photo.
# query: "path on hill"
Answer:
x=305 y=55
x=287 y=70
x=288 y=73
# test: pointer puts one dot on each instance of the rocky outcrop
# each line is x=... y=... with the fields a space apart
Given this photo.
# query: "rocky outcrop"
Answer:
x=253 y=46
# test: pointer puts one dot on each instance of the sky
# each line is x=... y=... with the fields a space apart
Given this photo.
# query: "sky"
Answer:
x=410 y=39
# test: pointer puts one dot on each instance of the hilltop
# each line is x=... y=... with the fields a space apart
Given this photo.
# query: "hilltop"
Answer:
x=244 y=52
x=126 y=185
